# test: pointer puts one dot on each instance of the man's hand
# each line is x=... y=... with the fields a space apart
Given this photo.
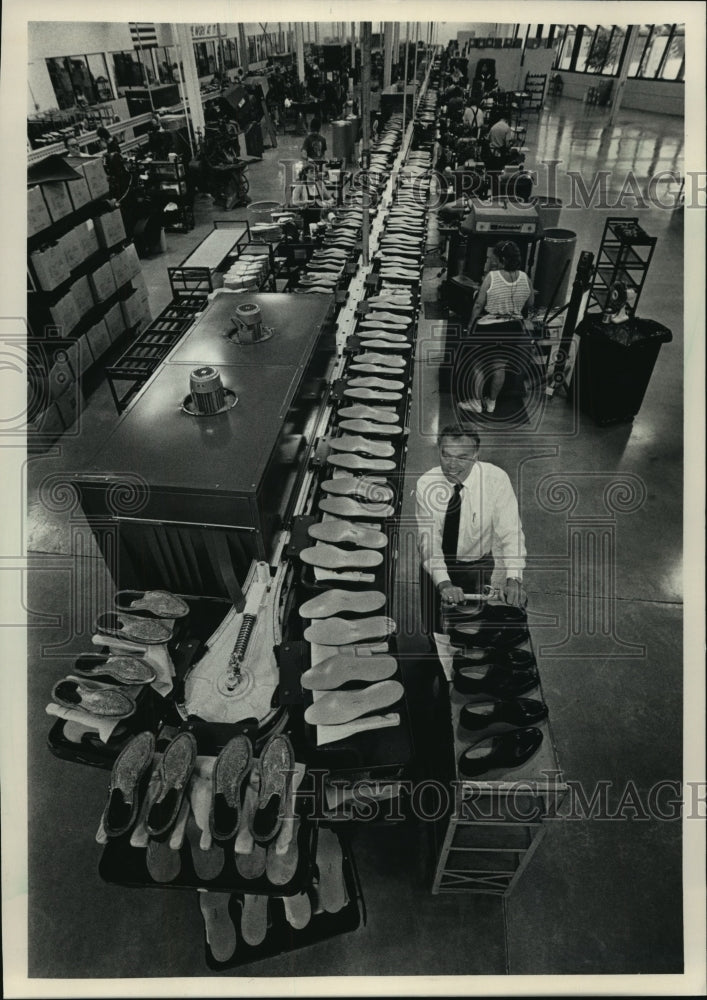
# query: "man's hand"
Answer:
x=450 y=594
x=514 y=593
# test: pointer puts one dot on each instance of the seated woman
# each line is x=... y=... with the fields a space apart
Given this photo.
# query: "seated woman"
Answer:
x=504 y=295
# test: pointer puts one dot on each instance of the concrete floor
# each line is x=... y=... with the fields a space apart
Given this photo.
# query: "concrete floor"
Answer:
x=600 y=896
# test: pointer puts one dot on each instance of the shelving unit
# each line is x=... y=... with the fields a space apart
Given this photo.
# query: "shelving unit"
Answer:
x=534 y=87
x=625 y=255
x=169 y=179
x=85 y=289
x=495 y=823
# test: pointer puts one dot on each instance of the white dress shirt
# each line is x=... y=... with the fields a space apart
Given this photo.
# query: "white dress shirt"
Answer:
x=489 y=522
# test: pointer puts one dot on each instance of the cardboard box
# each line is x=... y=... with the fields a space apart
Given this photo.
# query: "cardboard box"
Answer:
x=50 y=266
x=61 y=375
x=84 y=358
x=64 y=313
x=70 y=404
x=98 y=340
x=72 y=248
x=109 y=228
x=56 y=198
x=133 y=267
x=135 y=308
x=120 y=267
x=37 y=213
x=78 y=190
x=115 y=324
x=85 y=234
x=102 y=282
x=83 y=296
x=96 y=177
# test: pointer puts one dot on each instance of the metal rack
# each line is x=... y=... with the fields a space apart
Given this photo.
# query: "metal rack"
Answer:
x=625 y=255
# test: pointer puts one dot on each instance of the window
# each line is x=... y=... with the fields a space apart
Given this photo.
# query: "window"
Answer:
x=660 y=53
x=128 y=71
x=564 y=58
x=205 y=53
x=80 y=80
x=586 y=45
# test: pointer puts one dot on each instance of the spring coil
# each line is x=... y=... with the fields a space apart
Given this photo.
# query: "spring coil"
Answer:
x=247 y=626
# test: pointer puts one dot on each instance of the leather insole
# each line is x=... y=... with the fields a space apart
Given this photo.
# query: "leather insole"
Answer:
x=377 y=342
x=379 y=413
x=371 y=358
x=369 y=382
x=386 y=334
x=351 y=443
x=336 y=670
x=344 y=461
x=368 y=427
x=336 y=530
x=372 y=369
x=359 y=486
x=374 y=395
x=343 y=631
x=346 y=507
x=337 y=707
x=332 y=602
x=332 y=557
x=387 y=317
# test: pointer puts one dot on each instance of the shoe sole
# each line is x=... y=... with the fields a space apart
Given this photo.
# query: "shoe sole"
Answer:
x=344 y=531
x=340 y=707
x=147 y=630
x=331 y=557
x=122 y=669
x=342 y=632
x=337 y=670
x=343 y=507
x=106 y=702
x=356 y=442
x=331 y=602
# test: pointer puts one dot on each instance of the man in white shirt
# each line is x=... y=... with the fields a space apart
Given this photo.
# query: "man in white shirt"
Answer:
x=474 y=540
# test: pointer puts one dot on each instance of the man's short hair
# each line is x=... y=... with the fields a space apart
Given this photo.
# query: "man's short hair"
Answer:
x=455 y=431
x=315 y=125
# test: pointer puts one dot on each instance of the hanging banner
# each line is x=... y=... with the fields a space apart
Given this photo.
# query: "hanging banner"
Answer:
x=200 y=32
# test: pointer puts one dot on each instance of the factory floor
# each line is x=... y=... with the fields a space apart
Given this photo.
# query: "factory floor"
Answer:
x=603 y=892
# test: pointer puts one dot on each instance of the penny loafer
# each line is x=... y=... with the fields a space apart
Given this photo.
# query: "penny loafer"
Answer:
x=506 y=751
x=520 y=712
x=499 y=682
x=498 y=638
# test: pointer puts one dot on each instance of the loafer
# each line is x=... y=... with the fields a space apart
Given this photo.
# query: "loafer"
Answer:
x=230 y=771
x=130 y=765
x=274 y=768
x=520 y=712
x=154 y=602
x=173 y=773
x=90 y=696
x=509 y=750
x=498 y=638
x=505 y=614
x=123 y=626
x=119 y=669
x=499 y=682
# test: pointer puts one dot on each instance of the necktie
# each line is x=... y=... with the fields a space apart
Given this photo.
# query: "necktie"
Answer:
x=450 y=532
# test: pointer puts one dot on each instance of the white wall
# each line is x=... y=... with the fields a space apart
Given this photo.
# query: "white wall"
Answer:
x=661 y=97
x=509 y=72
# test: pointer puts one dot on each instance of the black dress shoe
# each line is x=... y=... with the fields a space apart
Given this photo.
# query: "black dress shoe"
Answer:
x=521 y=712
x=498 y=637
x=511 y=659
x=499 y=682
x=509 y=750
x=505 y=614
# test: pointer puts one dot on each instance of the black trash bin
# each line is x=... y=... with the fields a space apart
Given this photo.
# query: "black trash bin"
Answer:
x=614 y=366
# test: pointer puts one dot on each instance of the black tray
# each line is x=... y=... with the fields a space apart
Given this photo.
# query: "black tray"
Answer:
x=281 y=937
x=122 y=864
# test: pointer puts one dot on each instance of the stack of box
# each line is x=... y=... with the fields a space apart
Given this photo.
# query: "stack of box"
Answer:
x=249 y=271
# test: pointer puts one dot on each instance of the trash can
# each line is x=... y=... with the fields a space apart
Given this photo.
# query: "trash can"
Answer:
x=556 y=250
x=260 y=212
x=614 y=366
